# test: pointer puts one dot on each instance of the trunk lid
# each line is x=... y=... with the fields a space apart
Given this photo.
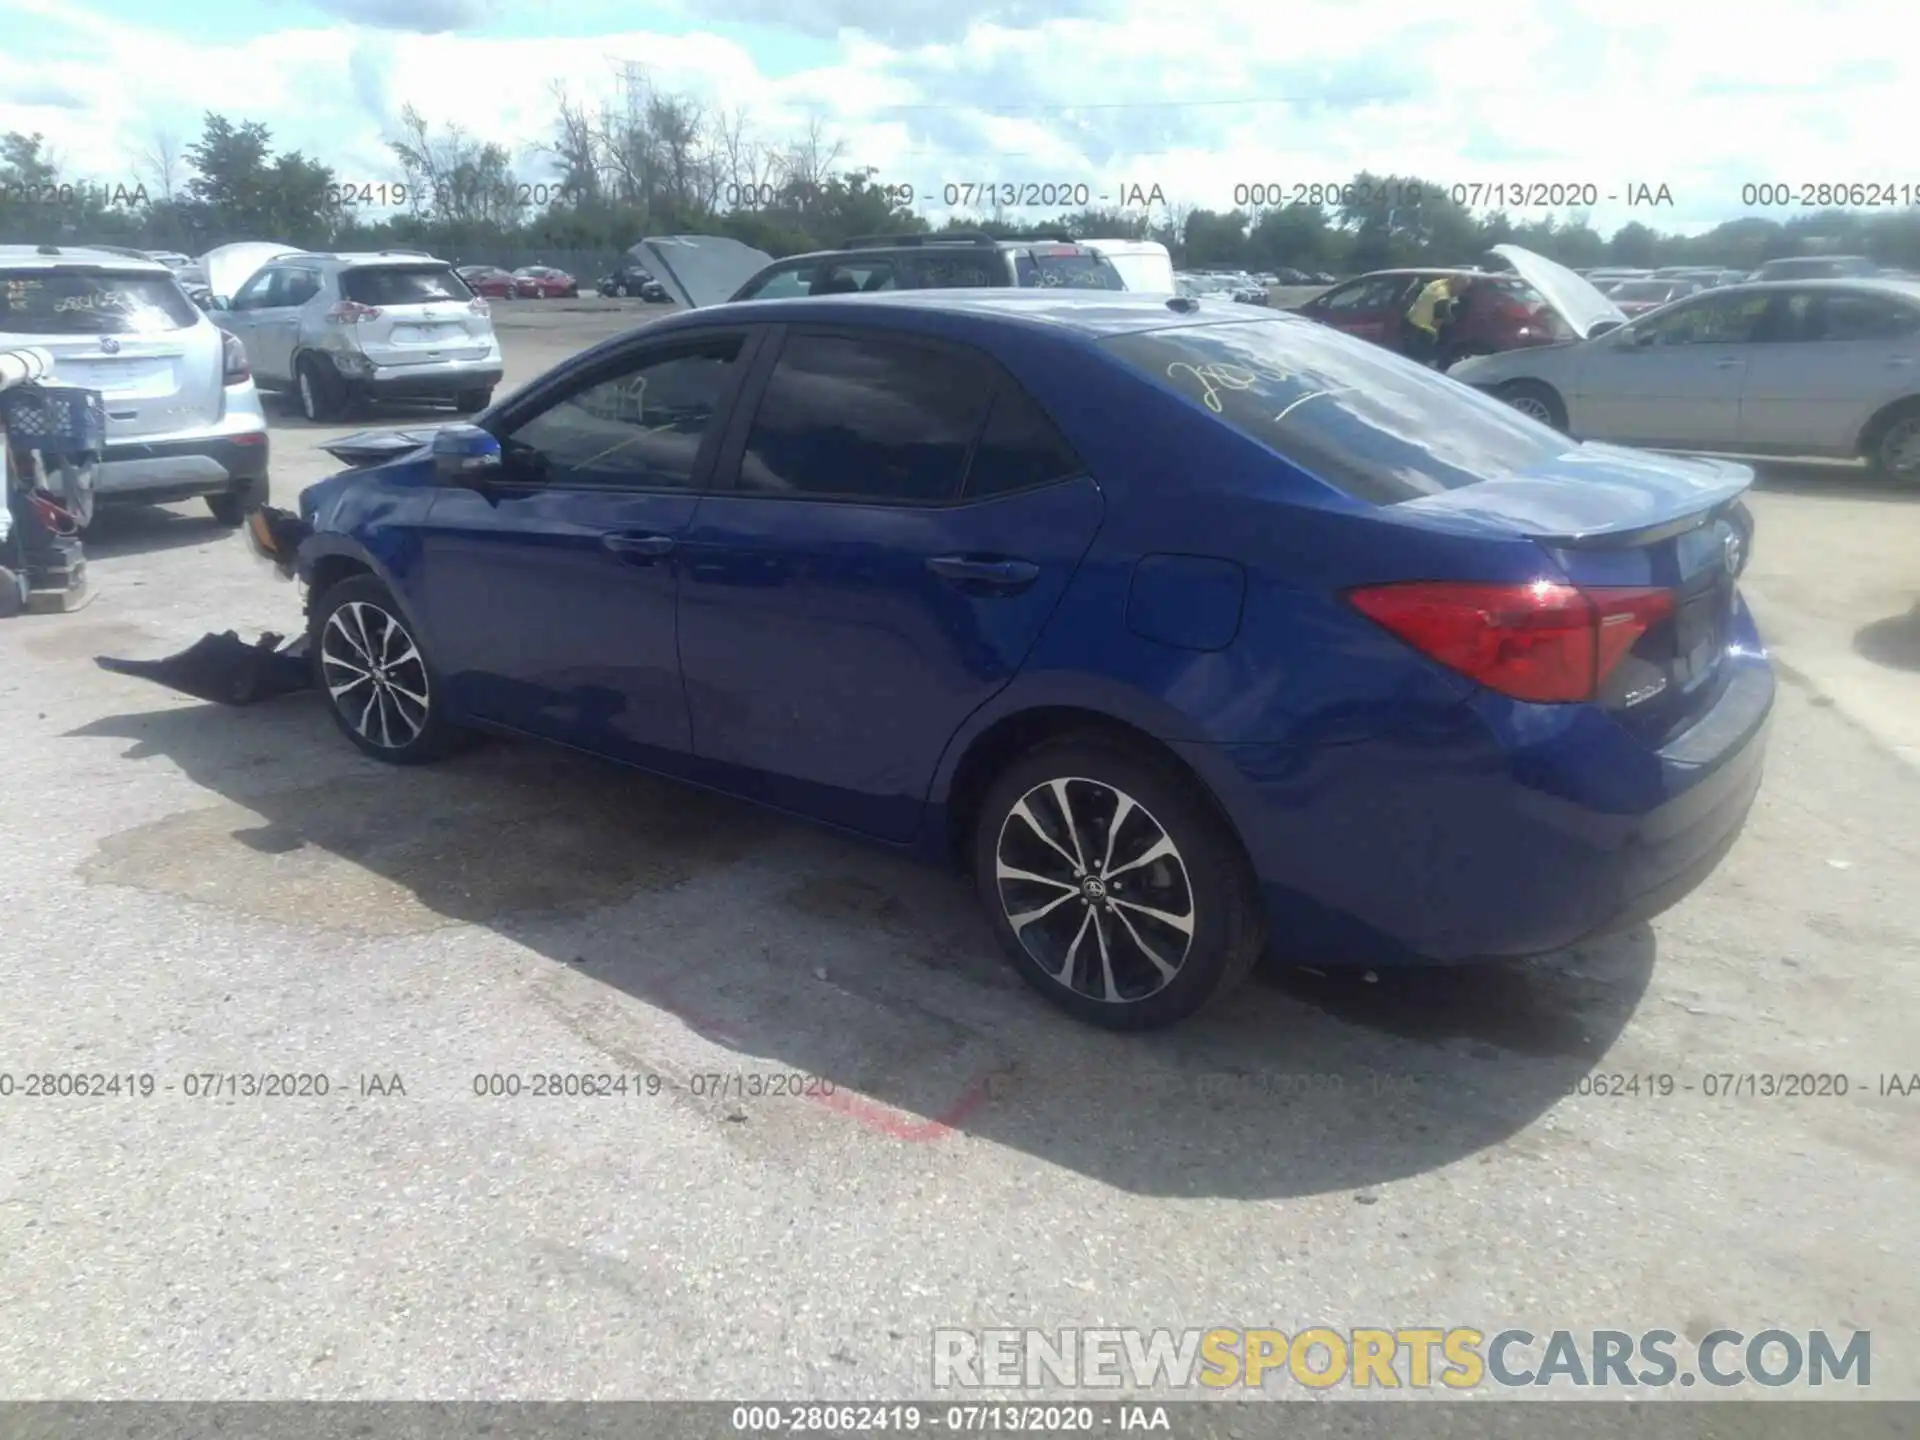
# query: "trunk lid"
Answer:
x=699 y=271
x=1575 y=300
x=426 y=314
x=1612 y=518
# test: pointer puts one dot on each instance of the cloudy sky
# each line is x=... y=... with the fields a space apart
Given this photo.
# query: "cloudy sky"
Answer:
x=1696 y=95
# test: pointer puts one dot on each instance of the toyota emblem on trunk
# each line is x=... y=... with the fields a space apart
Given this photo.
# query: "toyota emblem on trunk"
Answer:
x=110 y=345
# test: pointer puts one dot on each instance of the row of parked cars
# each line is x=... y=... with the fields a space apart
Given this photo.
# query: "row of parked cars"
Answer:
x=1825 y=367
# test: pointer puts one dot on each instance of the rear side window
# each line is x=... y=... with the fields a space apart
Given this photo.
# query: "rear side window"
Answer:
x=1019 y=449
x=866 y=417
x=91 y=302
x=402 y=285
x=1355 y=415
x=1865 y=317
x=1066 y=272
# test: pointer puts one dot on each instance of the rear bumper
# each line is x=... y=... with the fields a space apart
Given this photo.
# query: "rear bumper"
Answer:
x=441 y=380
x=180 y=466
x=1475 y=833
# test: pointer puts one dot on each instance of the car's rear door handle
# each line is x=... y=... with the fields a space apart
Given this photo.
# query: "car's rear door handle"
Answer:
x=639 y=547
x=974 y=571
x=1729 y=364
x=1900 y=362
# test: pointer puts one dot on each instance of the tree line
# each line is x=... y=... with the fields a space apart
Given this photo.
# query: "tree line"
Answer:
x=649 y=161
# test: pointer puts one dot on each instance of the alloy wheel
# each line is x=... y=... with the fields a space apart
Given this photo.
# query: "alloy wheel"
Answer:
x=375 y=674
x=1095 y=890
x=1533 y=407
x=1900 y=451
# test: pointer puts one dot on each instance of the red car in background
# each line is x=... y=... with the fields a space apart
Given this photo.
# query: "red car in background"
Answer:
x=489 y=281
x=1535 y=302
x=543 y=282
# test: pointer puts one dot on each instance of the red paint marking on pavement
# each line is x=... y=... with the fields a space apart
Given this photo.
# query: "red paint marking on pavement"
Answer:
x=897 y=1123
x=862 y=1109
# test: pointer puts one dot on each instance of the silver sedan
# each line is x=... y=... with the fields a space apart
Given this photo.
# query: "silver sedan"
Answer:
x=1826 y=368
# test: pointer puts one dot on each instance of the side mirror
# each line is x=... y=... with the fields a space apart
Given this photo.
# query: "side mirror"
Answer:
x=465 y=455
x=219 y=302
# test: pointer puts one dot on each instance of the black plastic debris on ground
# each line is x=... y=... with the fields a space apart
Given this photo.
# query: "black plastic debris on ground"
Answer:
x=225 y=669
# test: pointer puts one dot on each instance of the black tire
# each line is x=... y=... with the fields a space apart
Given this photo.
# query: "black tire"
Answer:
x=232 y=508
x=318 y=390
x=1542 y=402
x=1206 y=881
x=471 y=402
x=370 y=622
x=1892 y=443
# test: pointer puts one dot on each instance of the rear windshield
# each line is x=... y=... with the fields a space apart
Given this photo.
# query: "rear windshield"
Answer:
x=1070 y=272
x=91 y=302
x=1376 y=426
x=402 y=284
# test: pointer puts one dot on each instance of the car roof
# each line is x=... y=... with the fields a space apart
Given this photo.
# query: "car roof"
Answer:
x=347 y=259
x=50 y=257
x=1839 y=284
x=1091 y=314
x=935 y=244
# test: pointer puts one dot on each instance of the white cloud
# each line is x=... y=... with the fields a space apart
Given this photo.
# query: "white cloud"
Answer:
x=1699 y=97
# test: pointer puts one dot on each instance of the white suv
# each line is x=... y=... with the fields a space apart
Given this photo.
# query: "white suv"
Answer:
x=391 y=324
x=183 y=418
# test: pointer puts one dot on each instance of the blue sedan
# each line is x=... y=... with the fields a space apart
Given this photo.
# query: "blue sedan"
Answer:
x=1189 y=631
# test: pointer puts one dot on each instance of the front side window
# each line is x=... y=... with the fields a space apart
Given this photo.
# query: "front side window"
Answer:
x=91 y=302
x=1347 y=411
x=641 y=429
x=855 y=278
x=787 y=282
x=257 y=293
x=1714 y=320
x=866 y=417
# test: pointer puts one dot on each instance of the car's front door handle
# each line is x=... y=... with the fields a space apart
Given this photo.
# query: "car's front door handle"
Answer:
x=990 y=574
x=639 y=547
x=1728 y=364
x=1900 y=362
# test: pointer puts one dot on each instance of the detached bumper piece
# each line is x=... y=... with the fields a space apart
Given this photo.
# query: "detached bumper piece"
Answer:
x=226 y=670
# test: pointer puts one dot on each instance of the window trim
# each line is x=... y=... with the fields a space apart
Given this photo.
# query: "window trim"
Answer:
x=651 y=351
x=726 y=476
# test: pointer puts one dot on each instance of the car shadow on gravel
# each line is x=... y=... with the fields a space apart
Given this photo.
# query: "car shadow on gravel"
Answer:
x=127 y=528
x=1893 y=642
x=794 y=950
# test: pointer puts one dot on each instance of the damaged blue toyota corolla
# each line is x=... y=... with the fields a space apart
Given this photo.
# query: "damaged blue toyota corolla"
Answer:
x=1183 y=627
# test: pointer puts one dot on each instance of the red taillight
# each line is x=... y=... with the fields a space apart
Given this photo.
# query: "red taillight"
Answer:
x=233 y=360
x=352 y=312
x=1543 y=642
